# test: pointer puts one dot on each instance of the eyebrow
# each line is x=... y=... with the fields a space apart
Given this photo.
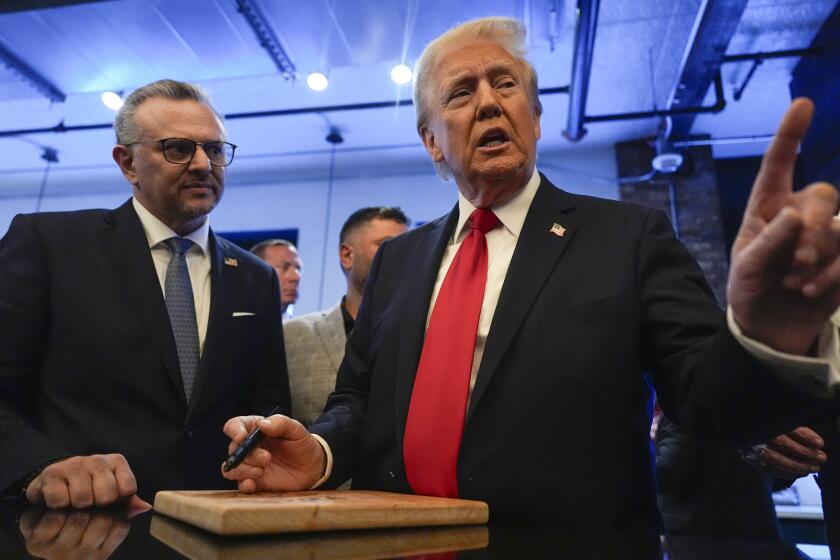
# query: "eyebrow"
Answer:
x=461 y=76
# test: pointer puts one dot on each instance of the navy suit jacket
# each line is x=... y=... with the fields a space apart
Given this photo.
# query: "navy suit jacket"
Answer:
x=88 y=362
x=587 y=325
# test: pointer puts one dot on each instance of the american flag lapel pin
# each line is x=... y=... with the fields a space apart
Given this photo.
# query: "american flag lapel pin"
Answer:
x=230 y=261
x=558 y=230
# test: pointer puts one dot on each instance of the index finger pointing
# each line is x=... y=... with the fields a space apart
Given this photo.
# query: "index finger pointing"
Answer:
x=776 y=173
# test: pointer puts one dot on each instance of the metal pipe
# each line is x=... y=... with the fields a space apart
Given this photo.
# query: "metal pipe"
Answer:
x=61 y=127
x=674 y=206
x=771 y=54
x=581 y=68
x=717 y=107
x=739 y=91
x=723 y=141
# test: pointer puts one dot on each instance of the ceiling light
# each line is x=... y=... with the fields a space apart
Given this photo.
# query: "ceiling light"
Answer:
x=401 y=74
x=667 y=162
x=667 y=159
x=112 y=100
x=317 y=81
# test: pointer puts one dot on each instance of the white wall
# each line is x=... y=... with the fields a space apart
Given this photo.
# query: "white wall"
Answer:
x=267 y=201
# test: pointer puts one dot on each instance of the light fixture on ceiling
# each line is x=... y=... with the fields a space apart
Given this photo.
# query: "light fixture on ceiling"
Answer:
x=667 y=159
x=317 y=81
x=112 y=100
x=667 y=162
x=401 y=74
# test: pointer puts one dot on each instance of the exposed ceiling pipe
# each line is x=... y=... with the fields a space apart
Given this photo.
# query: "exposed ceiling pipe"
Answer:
x=717 y=81
x=718 y=106
x=61 y=127
x=758 y=58
x=587 y=21
x=724 y=141
x=766 y=55
x=714 y=26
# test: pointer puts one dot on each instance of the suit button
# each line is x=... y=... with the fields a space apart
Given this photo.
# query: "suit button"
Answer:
x=391 y=473
x=188 y=432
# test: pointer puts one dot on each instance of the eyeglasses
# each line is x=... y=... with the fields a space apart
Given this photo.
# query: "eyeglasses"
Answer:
x=182 y=150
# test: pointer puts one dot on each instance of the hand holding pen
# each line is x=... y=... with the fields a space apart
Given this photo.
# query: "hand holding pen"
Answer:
x=247 y=445
x=283 y=457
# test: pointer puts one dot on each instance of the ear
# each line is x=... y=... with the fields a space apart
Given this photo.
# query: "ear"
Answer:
x=430 y=144
x=125 y=159
x=537 y=127
x=345 y=256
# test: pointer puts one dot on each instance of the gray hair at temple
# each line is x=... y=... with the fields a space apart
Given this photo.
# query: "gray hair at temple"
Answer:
x=506 y=32
x=124 y=124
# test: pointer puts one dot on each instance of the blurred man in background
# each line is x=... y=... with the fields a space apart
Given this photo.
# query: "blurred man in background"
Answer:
x=284 y=257
x=315 y=342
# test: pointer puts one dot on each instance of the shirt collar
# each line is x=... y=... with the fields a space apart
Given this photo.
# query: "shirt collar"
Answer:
x=511 y=213
x=157 y=232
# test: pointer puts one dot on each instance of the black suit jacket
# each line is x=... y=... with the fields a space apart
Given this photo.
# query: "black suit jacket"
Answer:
x=88 y=362
x=557 y=428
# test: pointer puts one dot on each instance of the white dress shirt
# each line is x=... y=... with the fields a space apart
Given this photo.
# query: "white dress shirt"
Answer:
x=825 y=366
x=198 y=261
x=501 y=242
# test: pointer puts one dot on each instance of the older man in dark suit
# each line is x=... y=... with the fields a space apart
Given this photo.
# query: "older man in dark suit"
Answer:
x=507 y=351
x=128 y=336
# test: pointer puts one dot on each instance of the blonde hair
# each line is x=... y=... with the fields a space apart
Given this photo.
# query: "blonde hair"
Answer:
x=506 y=32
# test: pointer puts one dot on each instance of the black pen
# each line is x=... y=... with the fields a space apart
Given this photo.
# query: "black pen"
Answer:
x=249 y=443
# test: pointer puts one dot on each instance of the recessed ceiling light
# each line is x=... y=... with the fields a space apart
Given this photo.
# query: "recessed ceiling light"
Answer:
x=317 y=81
x=112 y=100
x=401 y=74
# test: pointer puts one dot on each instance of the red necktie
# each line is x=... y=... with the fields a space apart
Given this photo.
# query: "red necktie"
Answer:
x=439 y=398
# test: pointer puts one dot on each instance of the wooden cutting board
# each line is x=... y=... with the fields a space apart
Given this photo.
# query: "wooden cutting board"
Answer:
x=374 y=544
x=232 y=513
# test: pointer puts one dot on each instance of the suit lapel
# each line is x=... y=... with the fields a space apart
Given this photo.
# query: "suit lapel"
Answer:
x=221 y=313
x=537 y=252
x=416 y=296
x=124 y=242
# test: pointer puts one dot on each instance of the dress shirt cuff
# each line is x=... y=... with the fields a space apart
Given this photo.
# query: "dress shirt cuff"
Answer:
x=328 y=469
x=825 y=366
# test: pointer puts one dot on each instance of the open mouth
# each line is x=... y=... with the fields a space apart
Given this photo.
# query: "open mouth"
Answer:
x=493 y=138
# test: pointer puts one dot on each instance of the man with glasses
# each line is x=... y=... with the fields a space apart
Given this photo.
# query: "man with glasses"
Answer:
x=128 y=337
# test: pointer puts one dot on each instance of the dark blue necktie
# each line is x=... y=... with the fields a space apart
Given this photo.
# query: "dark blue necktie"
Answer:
x=181 y=308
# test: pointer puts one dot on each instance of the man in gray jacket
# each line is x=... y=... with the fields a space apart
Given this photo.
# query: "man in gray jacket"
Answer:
x=315 y=342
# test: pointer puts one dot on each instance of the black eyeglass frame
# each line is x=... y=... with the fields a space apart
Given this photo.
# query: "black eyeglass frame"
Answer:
x=195 y=144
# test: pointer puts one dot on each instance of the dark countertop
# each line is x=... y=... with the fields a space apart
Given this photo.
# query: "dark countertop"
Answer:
x=99 y=534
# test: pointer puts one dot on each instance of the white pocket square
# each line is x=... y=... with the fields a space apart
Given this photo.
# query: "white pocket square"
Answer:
x=243 y=314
